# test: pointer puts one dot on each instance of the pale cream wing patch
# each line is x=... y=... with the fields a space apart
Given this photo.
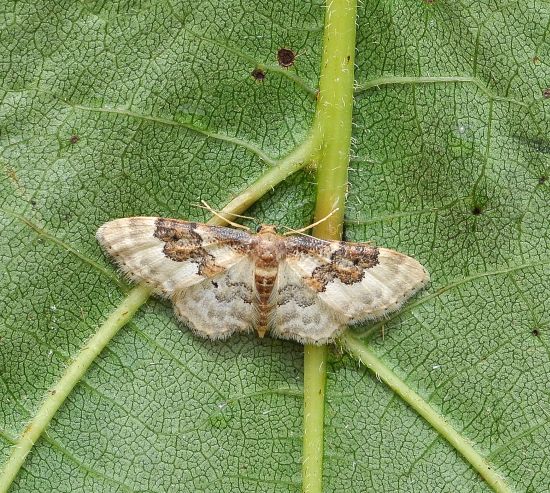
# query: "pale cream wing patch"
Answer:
x=222 y=305
x=170 y=254
x=356 y=280
x=299 y=313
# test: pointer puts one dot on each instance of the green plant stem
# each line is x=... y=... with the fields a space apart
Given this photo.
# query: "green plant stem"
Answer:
x=72 y=375
x=334 y=123
x=334 y=116
x=359 y=350
x=315 y=376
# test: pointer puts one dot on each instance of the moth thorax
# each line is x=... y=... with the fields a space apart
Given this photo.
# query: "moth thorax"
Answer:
x=268 y=250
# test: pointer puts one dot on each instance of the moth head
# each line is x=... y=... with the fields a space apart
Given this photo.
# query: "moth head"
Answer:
x=263 y=229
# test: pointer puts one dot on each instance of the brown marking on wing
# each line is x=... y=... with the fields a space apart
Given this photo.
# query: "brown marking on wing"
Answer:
x=185 y=243
x=347 y=263
x=314 y=284
x=241 y=288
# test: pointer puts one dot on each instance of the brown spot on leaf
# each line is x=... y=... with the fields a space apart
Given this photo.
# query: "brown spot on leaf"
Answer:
x=542 y=180
x=477 y=210
x=286 y=57
x=258 y=74
x=535 y=332
x=74 y=139
x=546 y=93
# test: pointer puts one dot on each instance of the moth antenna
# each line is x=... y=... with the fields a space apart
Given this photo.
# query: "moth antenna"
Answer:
x=217 y=214
x=240 y=215
x=208 y=208
x=301 y=230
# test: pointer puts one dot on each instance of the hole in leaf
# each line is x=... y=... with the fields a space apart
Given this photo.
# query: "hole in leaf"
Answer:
x=477 y=210
x=535 y=332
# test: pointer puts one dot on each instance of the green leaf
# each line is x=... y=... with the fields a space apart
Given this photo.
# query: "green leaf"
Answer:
x=117 y=109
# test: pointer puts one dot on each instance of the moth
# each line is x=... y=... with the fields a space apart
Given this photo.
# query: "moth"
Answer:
x=222 y=280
